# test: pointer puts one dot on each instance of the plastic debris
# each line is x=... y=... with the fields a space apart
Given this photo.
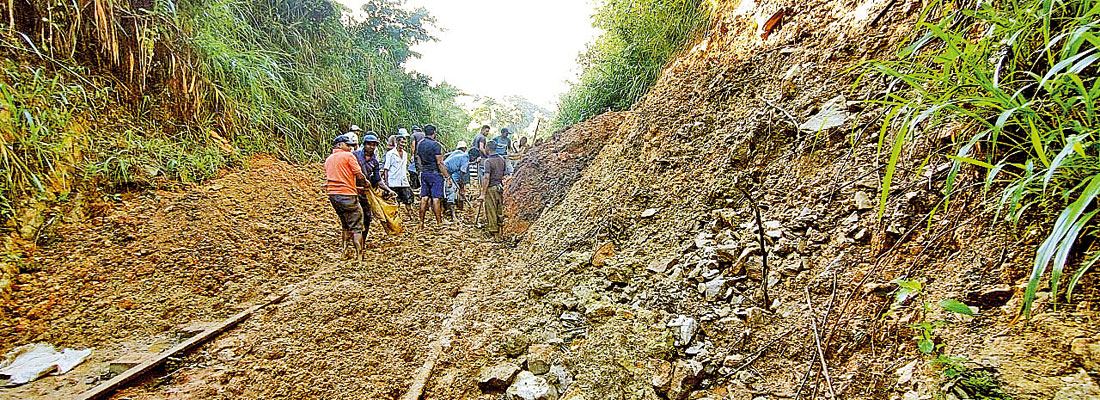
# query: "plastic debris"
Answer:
x=32 y=361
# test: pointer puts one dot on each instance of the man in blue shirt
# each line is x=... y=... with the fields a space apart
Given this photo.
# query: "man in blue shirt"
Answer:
x=458 y=166
x=369 y=165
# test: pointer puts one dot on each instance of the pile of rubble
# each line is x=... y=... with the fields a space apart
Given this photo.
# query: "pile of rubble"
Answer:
x=530 y=372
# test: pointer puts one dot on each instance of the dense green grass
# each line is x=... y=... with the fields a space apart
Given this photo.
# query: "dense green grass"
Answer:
x=640 y=38
x=122 y=95
x=1020 y=79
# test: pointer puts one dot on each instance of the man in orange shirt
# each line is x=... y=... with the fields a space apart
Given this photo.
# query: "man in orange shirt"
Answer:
x=344 y=178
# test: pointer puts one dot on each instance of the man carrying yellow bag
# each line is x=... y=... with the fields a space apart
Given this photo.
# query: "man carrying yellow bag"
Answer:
x=369 y=198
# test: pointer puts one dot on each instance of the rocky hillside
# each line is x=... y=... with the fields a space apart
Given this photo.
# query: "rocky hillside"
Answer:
x=726 y=242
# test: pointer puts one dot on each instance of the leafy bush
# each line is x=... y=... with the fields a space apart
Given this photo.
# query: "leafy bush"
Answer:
x=1018 y=78
x=640 y=37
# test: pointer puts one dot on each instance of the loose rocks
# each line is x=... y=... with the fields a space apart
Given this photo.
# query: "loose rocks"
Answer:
x=497 y=377
x=530 y=387
x=515 y=343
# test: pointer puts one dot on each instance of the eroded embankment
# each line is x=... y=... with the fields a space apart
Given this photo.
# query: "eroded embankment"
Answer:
x=644 y=281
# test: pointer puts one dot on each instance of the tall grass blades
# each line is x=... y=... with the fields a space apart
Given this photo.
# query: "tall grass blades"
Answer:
x=1020 y=77
x=640 y=37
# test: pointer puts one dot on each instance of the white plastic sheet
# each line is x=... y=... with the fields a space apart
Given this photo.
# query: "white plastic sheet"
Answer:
x=29 y=362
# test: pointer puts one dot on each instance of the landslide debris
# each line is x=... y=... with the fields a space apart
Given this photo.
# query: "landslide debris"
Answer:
x=136 y=277
x=552 y=165
x=647 y=276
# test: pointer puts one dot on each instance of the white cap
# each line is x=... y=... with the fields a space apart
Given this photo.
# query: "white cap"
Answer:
x=353 y=138
x=402 y=131
x=461 y=144
x=355 y=128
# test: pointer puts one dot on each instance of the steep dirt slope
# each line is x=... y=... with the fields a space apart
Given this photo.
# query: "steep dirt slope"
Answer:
x=644 y=280
x=552 y=164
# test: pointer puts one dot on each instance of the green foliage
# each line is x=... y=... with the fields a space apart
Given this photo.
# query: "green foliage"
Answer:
x=1019 y=79
x=925 y=328
x=640 y=37
x=117 y=95
x=297 y=69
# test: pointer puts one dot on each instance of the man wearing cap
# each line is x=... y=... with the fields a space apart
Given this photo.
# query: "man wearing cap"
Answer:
x=492 y=193
x=504 y=145
x=478 y=150
x=458 y=167
x=353 y=135
x=342 y=178
x=430 y=153
x=368 y=164
x=395 y=172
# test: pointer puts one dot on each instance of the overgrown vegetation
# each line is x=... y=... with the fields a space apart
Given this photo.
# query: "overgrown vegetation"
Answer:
x=1016 y=83
x=640 y=37
x=120 y=93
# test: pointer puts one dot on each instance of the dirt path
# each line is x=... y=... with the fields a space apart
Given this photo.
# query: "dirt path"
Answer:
x=350 y=331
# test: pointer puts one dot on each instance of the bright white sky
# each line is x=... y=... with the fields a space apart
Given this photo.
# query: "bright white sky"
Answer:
x=498 y=48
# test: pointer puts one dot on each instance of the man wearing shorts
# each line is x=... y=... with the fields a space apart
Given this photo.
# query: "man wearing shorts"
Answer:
x=343 y=177
x=430 y=153
x=492 y=193
x=368 y=163
x=396 y=174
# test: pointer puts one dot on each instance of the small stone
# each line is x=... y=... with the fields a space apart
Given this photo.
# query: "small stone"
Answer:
x=649 y=213
x=685 y=376
x=733 y=360
x=660 y=266
x=541 y=287
x=539 y=358
x=686 y=330
x=600 y=312
x=994 y=297
x=695 y=349
x=527 y=386
x=714 y=289
x=660 y=374
x=851 y=220
x=515 y=343
x=755 y=316
x=497 y=377
x=618 y=273
x=559 y=378
x=863 y=201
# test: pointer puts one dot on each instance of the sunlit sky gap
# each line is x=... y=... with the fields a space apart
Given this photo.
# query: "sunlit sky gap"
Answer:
x=499 y=48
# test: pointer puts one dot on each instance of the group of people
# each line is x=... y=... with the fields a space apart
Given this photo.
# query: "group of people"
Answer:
x=352 y=170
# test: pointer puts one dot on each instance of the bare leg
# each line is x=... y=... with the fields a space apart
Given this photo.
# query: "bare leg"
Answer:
x=357 y=238
x=344 y=237
x=437 y=210
x=423 y=208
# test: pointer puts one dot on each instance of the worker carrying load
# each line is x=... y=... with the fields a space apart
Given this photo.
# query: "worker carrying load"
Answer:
x=370 y=200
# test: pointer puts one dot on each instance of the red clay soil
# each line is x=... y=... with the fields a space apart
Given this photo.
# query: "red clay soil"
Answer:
x=550 y=168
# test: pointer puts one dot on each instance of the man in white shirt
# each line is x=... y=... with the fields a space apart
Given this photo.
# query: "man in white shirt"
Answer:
x=396 y=173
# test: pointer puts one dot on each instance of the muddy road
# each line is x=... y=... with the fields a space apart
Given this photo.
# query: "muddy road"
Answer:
x=140 y=275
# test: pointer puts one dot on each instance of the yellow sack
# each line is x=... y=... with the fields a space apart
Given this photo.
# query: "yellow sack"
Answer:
x=384 y=212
